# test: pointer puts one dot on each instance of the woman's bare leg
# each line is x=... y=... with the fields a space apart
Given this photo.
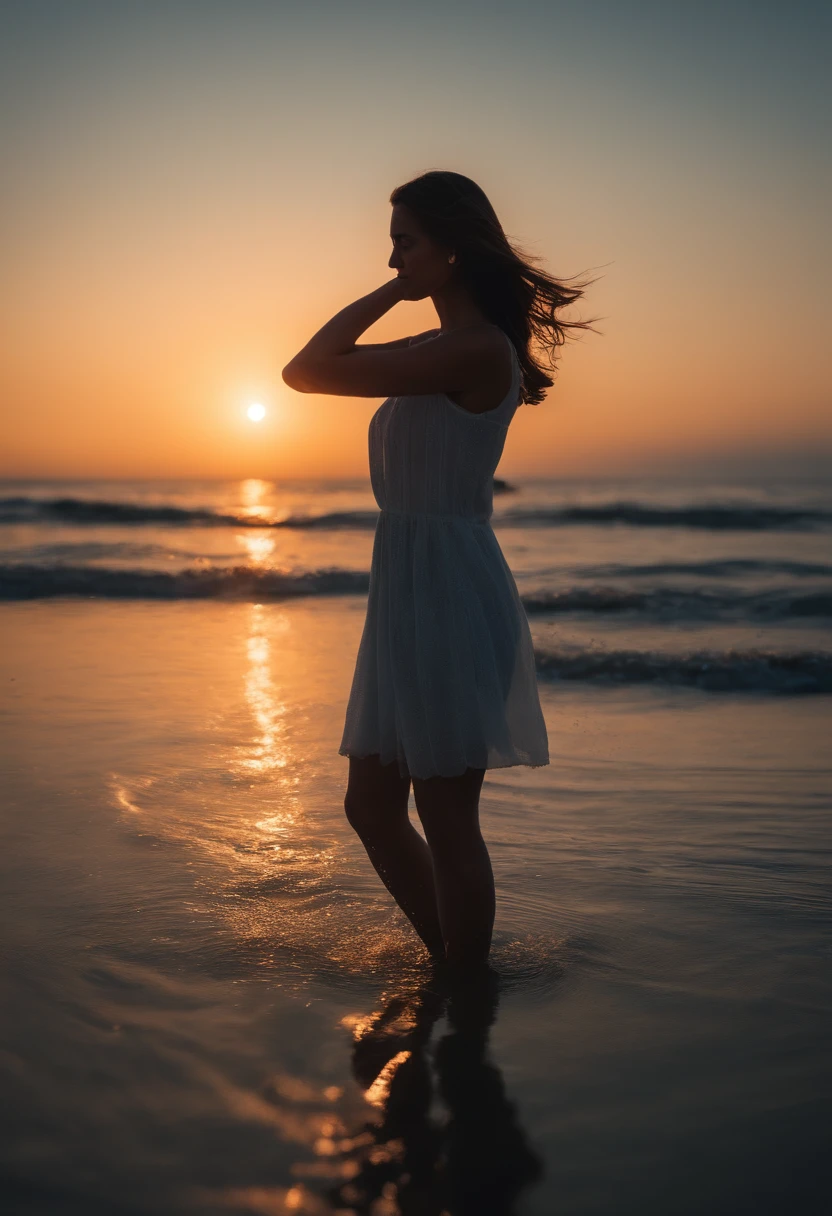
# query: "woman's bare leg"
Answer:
x=464 y=881
x=376 y=807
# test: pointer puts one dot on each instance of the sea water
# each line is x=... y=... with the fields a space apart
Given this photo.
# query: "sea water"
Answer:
x=212 y=1005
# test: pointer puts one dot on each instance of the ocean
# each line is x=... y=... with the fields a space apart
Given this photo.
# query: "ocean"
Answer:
x=211 y=1004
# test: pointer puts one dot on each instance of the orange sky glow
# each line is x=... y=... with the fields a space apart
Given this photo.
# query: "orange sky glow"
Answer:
x=185 y=212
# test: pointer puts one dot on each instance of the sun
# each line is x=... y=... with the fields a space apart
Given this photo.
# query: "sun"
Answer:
x=256 y=412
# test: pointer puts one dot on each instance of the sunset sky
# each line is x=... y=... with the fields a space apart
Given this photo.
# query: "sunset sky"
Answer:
x=191 y=189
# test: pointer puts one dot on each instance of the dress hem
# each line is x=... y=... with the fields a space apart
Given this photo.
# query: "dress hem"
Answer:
x=488 y=767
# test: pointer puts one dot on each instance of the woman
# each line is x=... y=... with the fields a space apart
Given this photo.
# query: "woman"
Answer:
x=444 y=684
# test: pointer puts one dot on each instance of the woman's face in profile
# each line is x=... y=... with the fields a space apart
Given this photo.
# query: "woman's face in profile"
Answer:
x=420 y=262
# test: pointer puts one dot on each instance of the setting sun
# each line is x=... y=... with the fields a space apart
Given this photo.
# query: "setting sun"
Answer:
x=256 y=412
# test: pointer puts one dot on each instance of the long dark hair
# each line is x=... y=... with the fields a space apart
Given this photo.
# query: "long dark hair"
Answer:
x=511 y=292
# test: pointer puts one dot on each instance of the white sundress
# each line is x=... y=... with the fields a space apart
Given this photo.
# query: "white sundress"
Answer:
x=445 y=675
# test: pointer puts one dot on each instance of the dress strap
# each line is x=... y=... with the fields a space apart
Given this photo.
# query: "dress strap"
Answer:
x=517 y=370
x=517 y=364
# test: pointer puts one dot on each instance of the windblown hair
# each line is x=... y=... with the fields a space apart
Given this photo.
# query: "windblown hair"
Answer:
x=511 y=292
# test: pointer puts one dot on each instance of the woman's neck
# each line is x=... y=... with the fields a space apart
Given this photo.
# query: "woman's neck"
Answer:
x=456 y=309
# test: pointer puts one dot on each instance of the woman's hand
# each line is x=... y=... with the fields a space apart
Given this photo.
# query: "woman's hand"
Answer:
x=408 y=292
x=339 y=335
x=397 y=288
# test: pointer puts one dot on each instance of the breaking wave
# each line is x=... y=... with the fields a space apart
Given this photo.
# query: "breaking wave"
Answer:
x=714 y=517
x=689 y=604
x=730 y=567
x=30 y=580
x=27 y=582
x=92 y=511
x=718 y=517
x=755 y=671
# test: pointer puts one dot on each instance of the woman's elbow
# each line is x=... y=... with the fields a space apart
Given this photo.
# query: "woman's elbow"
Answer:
x=297 y=378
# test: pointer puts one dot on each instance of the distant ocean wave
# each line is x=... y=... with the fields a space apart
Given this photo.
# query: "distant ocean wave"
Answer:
x=82 y=511
x=717 y=517
x=754 y=517
x=27 y=582
x=729 y=671
x=33 y=580
x=689 y=604
x=122 y=551
x=730 y=567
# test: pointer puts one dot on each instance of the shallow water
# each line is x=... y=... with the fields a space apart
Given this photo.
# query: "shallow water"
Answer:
x=212 y=1006
x=668 y=563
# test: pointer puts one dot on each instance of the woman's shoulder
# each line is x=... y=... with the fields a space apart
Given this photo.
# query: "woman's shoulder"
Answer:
x=423 y=337
x=484 y=331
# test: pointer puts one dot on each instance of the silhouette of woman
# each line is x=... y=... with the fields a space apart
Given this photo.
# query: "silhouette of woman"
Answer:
x=444 y=684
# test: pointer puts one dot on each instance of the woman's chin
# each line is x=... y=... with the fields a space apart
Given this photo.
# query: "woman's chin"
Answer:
x=411 y=292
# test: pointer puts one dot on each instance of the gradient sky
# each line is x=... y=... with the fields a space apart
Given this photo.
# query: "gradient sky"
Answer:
x=191 y=189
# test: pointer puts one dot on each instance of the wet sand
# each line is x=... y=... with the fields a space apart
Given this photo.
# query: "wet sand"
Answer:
x=211 y=1005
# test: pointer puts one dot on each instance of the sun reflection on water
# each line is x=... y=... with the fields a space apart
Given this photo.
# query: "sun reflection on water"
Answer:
x=274 y=863
x=258 y=547
x=379 y=1092
x=252 y=493
x=268 y=750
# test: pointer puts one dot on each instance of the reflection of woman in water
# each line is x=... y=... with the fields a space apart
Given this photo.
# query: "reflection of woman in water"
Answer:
x=476 y=1161
x=444 y=684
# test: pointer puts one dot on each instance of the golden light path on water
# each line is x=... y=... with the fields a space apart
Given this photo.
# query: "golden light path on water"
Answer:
x=283 y=903
x=272 y=857
x=268 y=750
x=252 y=493
x=257 y=546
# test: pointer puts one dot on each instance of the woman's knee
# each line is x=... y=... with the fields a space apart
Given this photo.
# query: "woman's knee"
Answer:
x=448 y=809
x=376 y=796
x=360 y=810
x=372 y=817
x=353 y=808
